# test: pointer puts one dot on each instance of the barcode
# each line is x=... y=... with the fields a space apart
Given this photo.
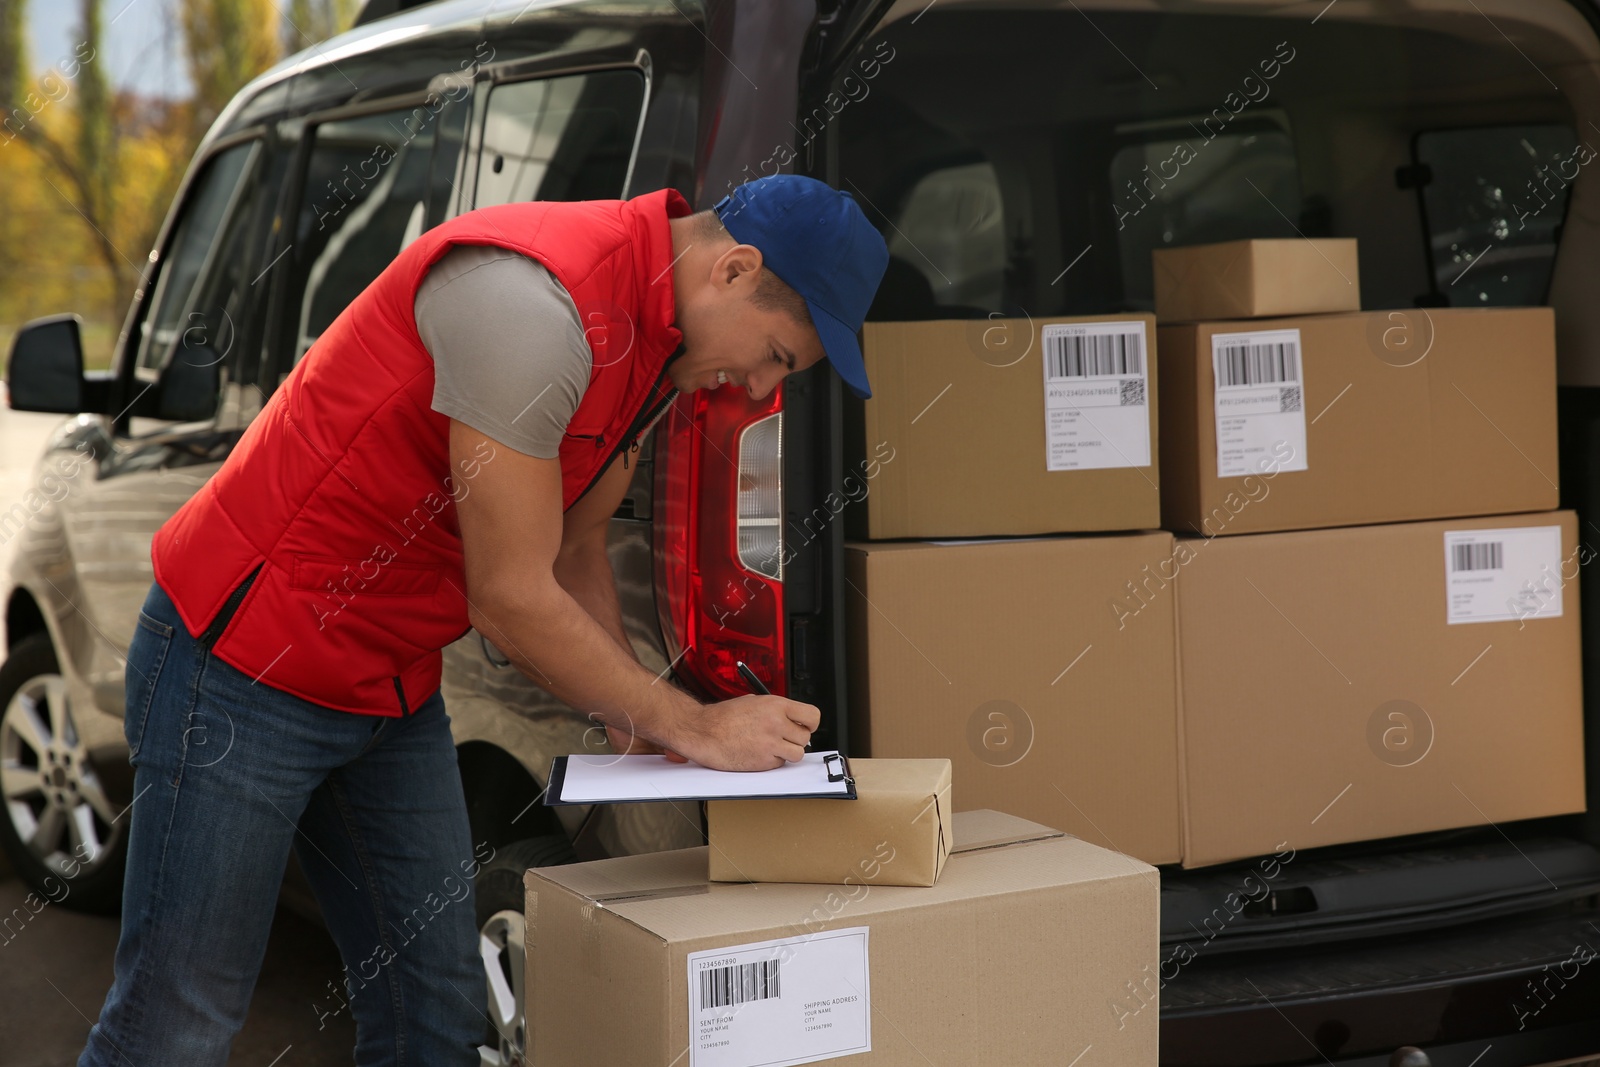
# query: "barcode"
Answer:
x=1258 y=364
x=739 y=983
x=1484 y=556
x=1083 y=355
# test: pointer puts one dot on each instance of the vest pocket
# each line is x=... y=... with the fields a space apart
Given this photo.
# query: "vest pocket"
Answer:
x=367 y=577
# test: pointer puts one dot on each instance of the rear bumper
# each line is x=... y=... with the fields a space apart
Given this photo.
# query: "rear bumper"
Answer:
x=1528 y=987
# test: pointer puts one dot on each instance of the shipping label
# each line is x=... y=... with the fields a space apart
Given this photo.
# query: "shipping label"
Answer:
x=1096 y=396
x=1502 y=575
x=777 y=1003
x=1260 y=402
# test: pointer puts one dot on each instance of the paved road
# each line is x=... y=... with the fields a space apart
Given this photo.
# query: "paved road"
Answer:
x=55 y=968
x=55 y=965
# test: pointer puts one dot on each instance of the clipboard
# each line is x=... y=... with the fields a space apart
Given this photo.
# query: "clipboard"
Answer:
x=595 y=779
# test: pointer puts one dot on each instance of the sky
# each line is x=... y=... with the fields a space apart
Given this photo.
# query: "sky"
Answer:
x=136 y=55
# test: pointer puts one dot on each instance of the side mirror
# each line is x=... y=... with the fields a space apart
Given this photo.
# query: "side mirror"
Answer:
x=45 y=372
x=189 y=385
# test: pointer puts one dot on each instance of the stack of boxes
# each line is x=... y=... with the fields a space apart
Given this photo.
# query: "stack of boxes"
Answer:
x=977 y=967
x=882 y=927
x=1360 y=620
x=1378 y=618
x=1020 y=654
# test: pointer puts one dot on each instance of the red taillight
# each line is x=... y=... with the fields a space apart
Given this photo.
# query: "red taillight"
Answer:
x=717 y=608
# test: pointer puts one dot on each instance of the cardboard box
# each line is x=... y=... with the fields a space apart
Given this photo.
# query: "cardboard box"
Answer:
x=1044 y=670
x=1256 y=279
x=1338 y=420
x=1019 y=956
x=1344 y=685
x=1006 y=426
x=896 y=831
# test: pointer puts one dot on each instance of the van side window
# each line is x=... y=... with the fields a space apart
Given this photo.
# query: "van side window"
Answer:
x=1493 y=199
x=201 y=286
x=564 y=138
x=366 y=197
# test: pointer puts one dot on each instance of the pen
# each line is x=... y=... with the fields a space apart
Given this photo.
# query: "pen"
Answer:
x=751 y=680
x=754 y=683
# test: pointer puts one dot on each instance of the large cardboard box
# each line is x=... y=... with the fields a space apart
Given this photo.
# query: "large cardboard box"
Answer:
x=1344 y=685
x=1338 y=420
x=901 y=810
x=1021 y=955
x=1043 y=669
x=1256 y=278
x=994 y=427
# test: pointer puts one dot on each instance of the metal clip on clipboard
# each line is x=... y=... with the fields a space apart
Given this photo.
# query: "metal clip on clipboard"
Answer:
x=843 y=773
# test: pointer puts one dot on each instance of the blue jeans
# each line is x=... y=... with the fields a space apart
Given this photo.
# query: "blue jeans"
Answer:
x=229 y=775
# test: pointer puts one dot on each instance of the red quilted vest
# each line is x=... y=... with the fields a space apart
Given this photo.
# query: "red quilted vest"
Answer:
x=341 y=491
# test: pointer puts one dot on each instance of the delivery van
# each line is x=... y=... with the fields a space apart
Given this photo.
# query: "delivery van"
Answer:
x=1006 y=150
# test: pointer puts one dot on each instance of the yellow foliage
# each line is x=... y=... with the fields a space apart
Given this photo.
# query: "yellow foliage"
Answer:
x=73 y=239
x=228 y=43
x=51 y=260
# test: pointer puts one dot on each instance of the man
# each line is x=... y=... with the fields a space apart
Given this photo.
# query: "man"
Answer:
x=444 y=456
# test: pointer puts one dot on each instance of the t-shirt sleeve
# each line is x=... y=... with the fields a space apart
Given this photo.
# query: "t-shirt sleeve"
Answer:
x=509 y=356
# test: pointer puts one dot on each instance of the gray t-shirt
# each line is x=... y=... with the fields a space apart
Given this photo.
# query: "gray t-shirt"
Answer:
x=509 y=356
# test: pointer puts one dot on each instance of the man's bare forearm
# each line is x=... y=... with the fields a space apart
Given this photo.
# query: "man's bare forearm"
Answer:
x=558 y=644
x=586 y=575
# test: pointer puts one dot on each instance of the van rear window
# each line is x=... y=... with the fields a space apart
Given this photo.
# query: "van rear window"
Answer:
x=1023 y=159
x=1493 y=200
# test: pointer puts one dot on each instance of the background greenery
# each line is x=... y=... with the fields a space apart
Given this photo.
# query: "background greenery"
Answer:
x=88 y=170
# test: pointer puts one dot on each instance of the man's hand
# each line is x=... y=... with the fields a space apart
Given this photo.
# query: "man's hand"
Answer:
x=747 y=733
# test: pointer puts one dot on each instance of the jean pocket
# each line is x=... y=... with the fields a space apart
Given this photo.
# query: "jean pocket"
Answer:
x=146 y=653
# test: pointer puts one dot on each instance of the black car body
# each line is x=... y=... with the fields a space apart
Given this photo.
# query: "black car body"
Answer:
x=998 y=145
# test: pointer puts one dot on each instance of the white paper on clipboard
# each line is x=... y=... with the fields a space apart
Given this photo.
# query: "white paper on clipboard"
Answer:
x=590 y=779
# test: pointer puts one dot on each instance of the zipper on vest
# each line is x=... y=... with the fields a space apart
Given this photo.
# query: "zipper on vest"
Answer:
x=225 y=616
x=635 y=429
x=650 y=420
x=400 y=691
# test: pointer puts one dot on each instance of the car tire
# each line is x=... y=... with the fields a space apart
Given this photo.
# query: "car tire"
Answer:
x=500 y=900
x=64 y=837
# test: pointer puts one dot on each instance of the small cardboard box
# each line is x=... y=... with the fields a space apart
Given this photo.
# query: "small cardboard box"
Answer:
x=1339 y=420
x=1043 y=669
x=1020 y=955
x=1256 y=279
x=995 y=427
x=1346 y=685
x=896 y=831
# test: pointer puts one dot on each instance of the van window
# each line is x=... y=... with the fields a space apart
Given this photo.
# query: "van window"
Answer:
x=952 y=229
x=563 y=138
x=200 y=285
x=1494 y=198
x=1106 y=137
x=1169 y=190
x=366 y=197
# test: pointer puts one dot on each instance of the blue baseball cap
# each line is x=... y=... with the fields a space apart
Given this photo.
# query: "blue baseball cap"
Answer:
x=818 y=243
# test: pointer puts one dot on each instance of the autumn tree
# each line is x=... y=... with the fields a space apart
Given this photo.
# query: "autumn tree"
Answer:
x=79 y=145
x=102 y=165
x=310 y=22
x=13 y=53
x=228 y=42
